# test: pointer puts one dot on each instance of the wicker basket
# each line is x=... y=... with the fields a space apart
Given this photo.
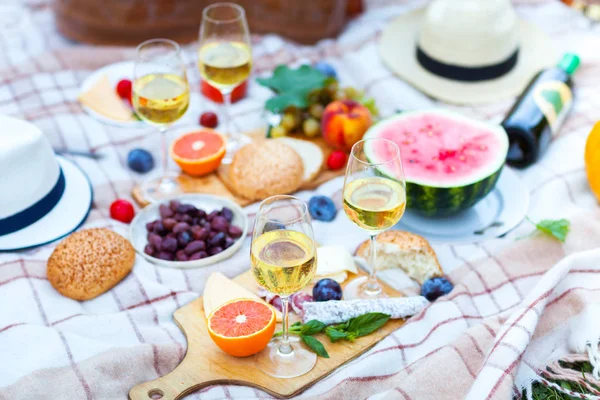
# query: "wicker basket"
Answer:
x=129 y=22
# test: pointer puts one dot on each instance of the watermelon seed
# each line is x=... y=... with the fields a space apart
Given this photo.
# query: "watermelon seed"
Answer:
x=414 y=151
x=430 y=167
x=413 y=161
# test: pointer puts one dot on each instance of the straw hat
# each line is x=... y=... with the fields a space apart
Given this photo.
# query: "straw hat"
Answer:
x=466 y=51
x=43 y=197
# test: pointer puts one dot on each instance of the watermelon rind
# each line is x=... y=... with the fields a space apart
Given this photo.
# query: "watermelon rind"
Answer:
x=447 y=198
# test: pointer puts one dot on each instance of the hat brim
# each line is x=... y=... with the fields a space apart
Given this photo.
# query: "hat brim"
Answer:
x=397 y=47
x=70 y=212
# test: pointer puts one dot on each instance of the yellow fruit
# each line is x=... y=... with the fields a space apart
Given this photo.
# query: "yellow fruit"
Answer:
x=592 y=159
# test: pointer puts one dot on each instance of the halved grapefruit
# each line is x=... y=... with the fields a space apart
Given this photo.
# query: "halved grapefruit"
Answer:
x=198 y=153
x=242 y=327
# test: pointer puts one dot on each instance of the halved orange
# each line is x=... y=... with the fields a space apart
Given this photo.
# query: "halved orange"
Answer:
x=592 y=159
x=198 y=153
x=242 y=327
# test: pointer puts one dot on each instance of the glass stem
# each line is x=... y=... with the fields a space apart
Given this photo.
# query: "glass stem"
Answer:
x=285 y=347
x=373 y=286
x=163 y=150
x=226 y=108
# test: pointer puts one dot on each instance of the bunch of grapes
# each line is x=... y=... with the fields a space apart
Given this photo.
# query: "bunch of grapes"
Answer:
x=308 y=120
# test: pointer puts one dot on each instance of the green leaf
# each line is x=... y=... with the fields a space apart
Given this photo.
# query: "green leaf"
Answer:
x=315 y=346
x=297 y=323
x=367 y=323
x=334 y=335
x=312 y=327
x=292 y=86
x=555 y=228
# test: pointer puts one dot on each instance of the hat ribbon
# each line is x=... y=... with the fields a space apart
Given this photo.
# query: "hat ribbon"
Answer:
x=35 y=212
x=466 y=74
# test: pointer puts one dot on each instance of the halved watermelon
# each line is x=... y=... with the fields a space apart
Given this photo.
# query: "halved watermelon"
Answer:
x=450 y=161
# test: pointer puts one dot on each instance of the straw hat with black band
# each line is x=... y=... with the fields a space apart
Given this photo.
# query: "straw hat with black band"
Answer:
x=467 y=51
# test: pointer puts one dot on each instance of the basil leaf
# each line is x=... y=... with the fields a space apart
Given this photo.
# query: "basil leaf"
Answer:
x=315 y=346
x=556 y=228
x=297 y=323
x=312 y=327
x=334 y=335
x=367 y=323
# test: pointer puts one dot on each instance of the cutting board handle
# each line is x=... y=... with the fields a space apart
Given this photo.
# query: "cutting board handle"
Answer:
x=172 y=386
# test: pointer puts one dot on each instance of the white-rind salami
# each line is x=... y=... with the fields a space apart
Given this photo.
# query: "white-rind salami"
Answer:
x=338 y=311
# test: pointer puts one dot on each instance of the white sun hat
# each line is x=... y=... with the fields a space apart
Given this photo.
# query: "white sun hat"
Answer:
x=466 y=51
x=43 y=197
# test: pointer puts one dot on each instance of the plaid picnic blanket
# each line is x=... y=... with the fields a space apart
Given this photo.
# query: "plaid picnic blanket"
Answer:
x=516 y=303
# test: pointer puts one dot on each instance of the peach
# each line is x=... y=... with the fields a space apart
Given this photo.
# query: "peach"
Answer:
x=344 y=123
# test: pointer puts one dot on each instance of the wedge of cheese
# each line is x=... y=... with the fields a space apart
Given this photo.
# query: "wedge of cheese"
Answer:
x=103 y=99
x=219 y=290
x=334 y=262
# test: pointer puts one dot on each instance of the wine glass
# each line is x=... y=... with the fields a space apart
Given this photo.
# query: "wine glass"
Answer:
x=225 y=59
x=283 y=258
x=161 y=96
x=374 y=199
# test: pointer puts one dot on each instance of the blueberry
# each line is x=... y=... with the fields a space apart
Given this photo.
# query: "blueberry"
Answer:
x=272 y=226
x=326 y=69
x=140 y=160
x=322 y=208
x=327 y=289
x=436 y=287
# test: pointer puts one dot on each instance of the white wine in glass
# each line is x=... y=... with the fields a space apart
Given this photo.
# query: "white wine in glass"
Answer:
x=375 y=200
x=283 y=261
x=225 y=58
x=160 y=97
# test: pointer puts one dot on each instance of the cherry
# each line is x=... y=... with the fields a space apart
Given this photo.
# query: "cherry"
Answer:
x=209 y=119
x=336 y=160
x=122 y=210
x=124 y=89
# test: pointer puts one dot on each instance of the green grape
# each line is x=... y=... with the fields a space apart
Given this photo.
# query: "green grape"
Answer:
x=352 y=93
x=316 y=110
x=340 y=95
x=332 y=88
x=311 y=127
x=289 y=121
x=278 y=131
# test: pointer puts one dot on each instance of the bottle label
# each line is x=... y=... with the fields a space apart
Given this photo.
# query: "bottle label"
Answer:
x=554 y=99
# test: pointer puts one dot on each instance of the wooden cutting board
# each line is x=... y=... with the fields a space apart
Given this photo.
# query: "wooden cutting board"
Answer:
x=218 y=183
x=205 y=364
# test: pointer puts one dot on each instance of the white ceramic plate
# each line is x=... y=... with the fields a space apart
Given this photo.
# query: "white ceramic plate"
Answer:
x=207 y=202
x=496 y=214
x=115 y=72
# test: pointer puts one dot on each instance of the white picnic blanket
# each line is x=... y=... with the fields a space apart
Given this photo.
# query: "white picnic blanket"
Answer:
x=503 y=322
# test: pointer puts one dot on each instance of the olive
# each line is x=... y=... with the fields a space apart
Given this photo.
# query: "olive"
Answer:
x=174 y=205
x=181 y=227
x=169 y=223
x=163 y=255
x=228 y=242
x=212 y=214
x=159 y=228
x=219 y=223
x=187 y=209
x=150 y=226
x=235 y=232
x=227 y=214
x=154 y=240
x=186 y=218
x=165 y=211
x=198 y=255
x=214 y=250
x=201 y=214
x=183 y=238
x=199 y=233
x=217 y=239
x=194 y=247
x=181 y=256
x=169 y=244
x=149 y=249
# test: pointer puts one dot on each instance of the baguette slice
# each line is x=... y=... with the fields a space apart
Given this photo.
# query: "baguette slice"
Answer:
x=407 y=251
x=311 y=154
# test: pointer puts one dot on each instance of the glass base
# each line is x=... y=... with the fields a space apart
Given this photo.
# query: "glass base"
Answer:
x=161 y=188
x=362 y=288
x=234 y=143
x=274 y=362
